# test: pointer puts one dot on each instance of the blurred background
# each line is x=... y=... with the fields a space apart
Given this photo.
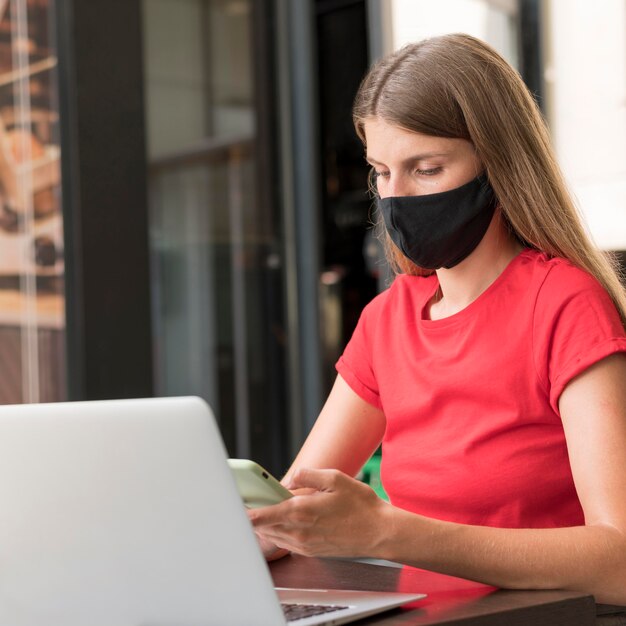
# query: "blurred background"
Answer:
x=184 y=204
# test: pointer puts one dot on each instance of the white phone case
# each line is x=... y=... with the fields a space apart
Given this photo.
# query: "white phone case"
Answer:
x=256 y=485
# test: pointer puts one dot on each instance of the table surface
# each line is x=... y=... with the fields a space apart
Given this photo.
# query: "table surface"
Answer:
x=450 y=600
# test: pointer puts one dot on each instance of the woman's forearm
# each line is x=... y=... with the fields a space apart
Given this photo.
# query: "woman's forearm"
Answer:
x=346 y=433
x=587 y=558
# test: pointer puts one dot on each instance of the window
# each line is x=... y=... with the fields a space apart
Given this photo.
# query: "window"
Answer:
x=215 y=233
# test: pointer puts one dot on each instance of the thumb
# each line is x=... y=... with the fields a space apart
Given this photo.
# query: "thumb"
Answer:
x=318 y=479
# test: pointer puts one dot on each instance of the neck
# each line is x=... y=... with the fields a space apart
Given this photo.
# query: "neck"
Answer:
x=462 y=284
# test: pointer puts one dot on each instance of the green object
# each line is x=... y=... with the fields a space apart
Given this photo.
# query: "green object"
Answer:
x=256 y=485
x=370 y=474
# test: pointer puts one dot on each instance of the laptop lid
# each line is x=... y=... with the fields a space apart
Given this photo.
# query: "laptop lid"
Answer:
x=124 y=513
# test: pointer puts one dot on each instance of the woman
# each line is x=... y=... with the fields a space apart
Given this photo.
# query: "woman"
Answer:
x=492 y=369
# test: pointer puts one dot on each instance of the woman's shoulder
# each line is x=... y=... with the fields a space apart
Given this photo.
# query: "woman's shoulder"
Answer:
x=556 y=276
x=404 y=292
x=564 y=293
x=407 y=287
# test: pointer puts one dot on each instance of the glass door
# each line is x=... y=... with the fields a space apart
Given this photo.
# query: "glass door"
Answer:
x=215 y=231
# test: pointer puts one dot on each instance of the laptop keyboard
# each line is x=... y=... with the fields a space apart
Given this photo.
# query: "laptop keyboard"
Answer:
x=295 y=612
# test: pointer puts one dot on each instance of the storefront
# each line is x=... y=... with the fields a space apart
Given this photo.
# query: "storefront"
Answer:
x=184 y=201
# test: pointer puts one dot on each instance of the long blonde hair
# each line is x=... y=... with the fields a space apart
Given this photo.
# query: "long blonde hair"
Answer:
x=457 y=86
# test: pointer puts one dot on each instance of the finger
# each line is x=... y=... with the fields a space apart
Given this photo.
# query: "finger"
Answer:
x=320 y=480
x=278 y=537
x=303 y=491
x=300 y=544
x=285 y=539
x=279 y=553
x=267 y=515
x=285 y=547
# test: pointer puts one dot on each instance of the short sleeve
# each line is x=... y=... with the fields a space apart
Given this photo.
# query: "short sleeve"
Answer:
x=575 y=325
x=356 y=363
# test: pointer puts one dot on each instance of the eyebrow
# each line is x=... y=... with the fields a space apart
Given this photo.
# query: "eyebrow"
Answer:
x=411 y=159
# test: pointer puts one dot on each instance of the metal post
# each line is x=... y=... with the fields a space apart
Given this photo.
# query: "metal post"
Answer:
x=301 y=206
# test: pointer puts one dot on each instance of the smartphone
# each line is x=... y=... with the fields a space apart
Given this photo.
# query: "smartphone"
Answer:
x=256 y=485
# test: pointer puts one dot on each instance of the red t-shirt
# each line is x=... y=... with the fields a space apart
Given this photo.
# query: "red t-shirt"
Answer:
x=473 y=431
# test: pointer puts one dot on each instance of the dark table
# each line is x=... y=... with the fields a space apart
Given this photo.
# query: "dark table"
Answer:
x=450 y=600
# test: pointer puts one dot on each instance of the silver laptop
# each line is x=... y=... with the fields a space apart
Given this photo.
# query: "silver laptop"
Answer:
x=125 y=513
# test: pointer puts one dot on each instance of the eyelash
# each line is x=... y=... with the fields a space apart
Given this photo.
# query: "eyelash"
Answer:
x=429 y=172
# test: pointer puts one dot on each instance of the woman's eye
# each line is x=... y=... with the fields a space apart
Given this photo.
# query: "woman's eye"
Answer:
x=428 y=172
x=381 y=175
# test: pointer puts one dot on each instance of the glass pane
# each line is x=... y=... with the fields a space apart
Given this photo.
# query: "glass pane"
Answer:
x=32 y=364
x=215 y=258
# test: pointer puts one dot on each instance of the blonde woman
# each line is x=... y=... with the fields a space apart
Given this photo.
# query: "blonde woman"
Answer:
x=493 y=368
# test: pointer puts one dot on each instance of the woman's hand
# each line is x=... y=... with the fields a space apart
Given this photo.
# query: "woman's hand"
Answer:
x=339 y=516
x=270 y=550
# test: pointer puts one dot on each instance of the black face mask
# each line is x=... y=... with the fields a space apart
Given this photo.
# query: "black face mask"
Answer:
x=440 y=229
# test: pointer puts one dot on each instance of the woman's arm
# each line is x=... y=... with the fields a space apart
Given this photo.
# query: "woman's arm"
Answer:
x=344 y=518
x=345 y=435
x=590 y=558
